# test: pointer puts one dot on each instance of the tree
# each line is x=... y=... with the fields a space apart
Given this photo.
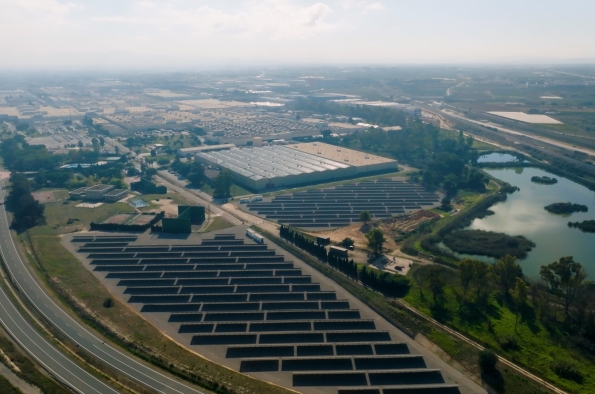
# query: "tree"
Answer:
x=163 y=161
x=80 y=144
x=153 y=153
x=150 y=173
x=565 y=278
x=365 y=216
x=222 y=184
x=326 y=134
x=26 y=211
x=450 y=184
x=196 y=174
x=445 y=204
x=487 y=360
x=347 y=242
x=475 y=273
x=466 y=274
x=519 y=299
x=40 y=178
x=506 y=272
x=101 y=141
x=375 y=240
x=459 y=295
x=435 y=280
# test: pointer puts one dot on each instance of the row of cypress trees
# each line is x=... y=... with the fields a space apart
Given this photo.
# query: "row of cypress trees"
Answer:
x=391 y=285
x=302 y=242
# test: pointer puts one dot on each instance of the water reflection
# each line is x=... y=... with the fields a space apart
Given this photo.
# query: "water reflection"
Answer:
x=497 y=158
x=524 y=214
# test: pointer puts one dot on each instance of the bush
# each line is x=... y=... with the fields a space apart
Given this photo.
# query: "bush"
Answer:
x=508 y=342
x=487 y=360
x=347 y=242
x=567 y=370
x=108 y=302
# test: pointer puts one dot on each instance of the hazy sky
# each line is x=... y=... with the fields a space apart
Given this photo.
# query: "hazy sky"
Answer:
x=187 y=34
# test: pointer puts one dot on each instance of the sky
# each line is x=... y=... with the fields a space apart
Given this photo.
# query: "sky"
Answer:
x=196 y=34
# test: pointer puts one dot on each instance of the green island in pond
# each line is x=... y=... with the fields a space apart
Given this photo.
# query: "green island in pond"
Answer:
x=588 y=226
x=566 y=208
x=544 y=180
x=488 y=243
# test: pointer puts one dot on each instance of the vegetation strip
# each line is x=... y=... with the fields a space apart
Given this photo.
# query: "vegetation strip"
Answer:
x=479 y=347
x=488 y=243
x=566 y=208
x=399 y=313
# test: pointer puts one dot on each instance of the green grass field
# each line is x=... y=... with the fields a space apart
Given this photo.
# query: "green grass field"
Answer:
x=480 y=145
x=538 y=347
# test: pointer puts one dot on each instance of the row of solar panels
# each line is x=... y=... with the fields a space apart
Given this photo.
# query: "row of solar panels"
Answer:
x=265 y=312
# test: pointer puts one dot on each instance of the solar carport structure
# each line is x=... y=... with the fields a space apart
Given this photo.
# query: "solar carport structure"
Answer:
x=341 y=205
x=257 y=312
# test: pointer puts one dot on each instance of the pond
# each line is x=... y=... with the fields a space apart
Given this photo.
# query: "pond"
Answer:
x=523 y=213
x=498 y=158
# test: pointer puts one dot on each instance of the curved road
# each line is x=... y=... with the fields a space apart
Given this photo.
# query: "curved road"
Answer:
x=53 y=360
x=74 y=376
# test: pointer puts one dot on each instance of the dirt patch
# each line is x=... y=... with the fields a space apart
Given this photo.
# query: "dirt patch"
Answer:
x=392 y=227
x=170 y=208
x=393 y=264
x=356 y=232
x=44 y=197
x=403 y=224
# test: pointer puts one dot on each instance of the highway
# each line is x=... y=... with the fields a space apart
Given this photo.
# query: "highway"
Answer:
x=54 y=361
x=550 y=141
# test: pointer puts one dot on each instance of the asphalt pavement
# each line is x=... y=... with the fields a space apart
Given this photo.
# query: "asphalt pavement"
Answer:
x=65 y=370
x=53 y=360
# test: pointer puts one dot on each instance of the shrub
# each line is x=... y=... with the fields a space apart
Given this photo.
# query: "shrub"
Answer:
x=347 y=242
x=108 y=302
x=487 y=360
x=508 y=342
x=567 y=370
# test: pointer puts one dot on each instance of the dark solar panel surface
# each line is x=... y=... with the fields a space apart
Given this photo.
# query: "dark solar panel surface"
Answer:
x=341 y=205
x=258 y=308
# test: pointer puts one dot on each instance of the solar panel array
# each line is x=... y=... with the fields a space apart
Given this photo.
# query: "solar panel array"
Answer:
x=259 y=308
x=341 y=205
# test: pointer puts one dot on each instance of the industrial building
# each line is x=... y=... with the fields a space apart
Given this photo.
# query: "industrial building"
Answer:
x=281 y=166
x=187 y=215
x=96 y=192
x=115 y=195
x=105 y=193
x=145 y=186
x=187 y=152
